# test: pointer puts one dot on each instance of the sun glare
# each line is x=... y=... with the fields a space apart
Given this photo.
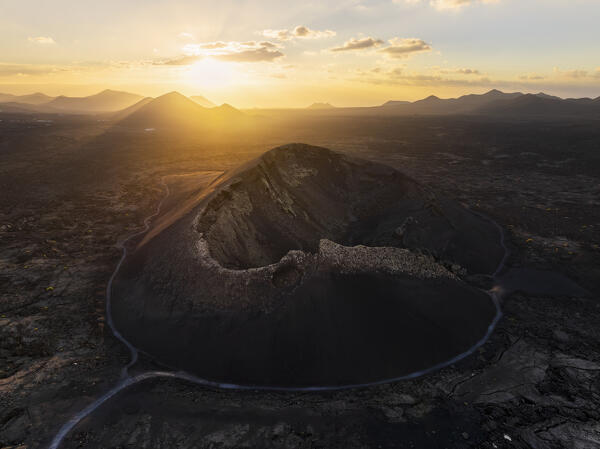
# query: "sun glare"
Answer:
x=209 y=73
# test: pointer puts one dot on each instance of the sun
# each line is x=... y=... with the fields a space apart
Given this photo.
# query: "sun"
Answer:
x=209 y=72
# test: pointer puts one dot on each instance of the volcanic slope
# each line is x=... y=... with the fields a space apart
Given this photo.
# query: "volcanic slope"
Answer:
x=174 y=111
x=308 y=267
x=105 y=101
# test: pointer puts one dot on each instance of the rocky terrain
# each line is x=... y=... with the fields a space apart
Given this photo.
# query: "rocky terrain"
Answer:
x=293 y=270
x=534 y=384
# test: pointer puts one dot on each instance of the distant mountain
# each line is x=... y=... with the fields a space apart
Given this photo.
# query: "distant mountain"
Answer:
x=497 y=103
x=542 y=106
x=34 y=99
x=131 y=109
x=394 y=104
x=16 y=108
x=549 y=97
x=105 y=101
x=474 y=100
x=226 y=111
x=8 y=98
x=432 y=99
x=461 y=105
x=166 y=110
x=321 y=106
x=174 y=110
x=202 y=101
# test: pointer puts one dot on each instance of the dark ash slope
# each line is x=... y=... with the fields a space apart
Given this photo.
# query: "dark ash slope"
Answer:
x=291 y=198
x=300 y=268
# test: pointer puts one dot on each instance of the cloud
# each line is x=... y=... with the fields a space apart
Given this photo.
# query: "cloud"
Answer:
x=531 y=77
x=398 y=48
x=190 y=48
x=403 y=48
x=460 y=71
x=451 y=4
x=186 y=36
x=359 y=44
x=400 y=76
x=447 y=4
x=25 y=69
x=268 y=44
x=282 y=35
x=42 y=40
x=249 y=51
x=306 y=33
x=179 y=61
x=468 y=72
x=575 y=74
x=453 y=78
x=260 y=54
x=300 y=32
x=571 y=74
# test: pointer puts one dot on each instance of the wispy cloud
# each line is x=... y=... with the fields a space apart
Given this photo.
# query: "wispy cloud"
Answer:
x=300 y=32
x=268 y=44
x=306 y=33
x=282 y=35
x=359 y=44
x=260 y=54
x=399 y=76
x=468 y=72
x=436 y=77
x=459 y=71
x=403 y=48
x=455 y=4
x=42 y=40
x=249 y=51
x=27 y=70
x=197 y=49
x=446 y=4
x=398 y=48
x=572 y=74
x=531 y=77
x=178 y=61
x=185 y=36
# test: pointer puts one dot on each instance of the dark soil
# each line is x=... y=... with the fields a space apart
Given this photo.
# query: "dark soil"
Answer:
x=536 y=383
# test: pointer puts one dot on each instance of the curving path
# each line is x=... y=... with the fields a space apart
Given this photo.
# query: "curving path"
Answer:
x=127 y=380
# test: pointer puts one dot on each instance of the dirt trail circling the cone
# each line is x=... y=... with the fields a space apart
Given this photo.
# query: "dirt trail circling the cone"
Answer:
x=344 y=271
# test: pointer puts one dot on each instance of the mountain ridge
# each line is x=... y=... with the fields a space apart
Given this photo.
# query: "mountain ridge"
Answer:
x=321 y=106
x=36 y=98
x=105 y=101
x=174 y=110
x=203 y=101
x=493 y=103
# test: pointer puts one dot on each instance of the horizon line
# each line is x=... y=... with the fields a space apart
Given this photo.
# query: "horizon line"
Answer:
x=308 y=106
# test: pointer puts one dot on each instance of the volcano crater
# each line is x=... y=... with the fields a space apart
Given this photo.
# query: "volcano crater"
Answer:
x=308 y=267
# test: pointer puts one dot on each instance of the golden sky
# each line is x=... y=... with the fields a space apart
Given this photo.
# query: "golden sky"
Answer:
x=290 y=54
